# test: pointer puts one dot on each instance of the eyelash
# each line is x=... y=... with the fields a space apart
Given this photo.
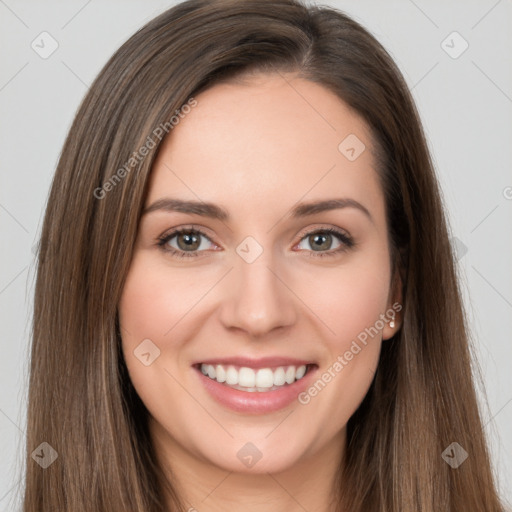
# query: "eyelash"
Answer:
x=347 y=242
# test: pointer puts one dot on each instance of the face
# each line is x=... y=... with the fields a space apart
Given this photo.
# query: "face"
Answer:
x=281 y=303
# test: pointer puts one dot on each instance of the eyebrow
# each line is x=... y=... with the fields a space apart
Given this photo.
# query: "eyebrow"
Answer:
x=216 y=212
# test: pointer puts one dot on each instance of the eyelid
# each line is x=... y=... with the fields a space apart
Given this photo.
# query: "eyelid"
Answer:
x=324 y=228
x=196 y=228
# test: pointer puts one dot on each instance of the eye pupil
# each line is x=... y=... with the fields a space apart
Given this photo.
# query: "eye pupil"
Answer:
x=322 y=238
x=190 y=241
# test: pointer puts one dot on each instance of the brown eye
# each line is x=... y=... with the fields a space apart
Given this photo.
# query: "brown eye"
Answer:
x=185 y=242
x=320 y=241
x=188 y=241
x=326 y=242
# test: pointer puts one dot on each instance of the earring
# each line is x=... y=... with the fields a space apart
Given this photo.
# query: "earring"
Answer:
x=392 y=324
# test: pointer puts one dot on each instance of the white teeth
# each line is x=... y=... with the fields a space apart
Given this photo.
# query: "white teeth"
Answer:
x=221 y=373
x=248 y=379
x=264 y=378
x=301 y=371
x=289 y=376
x=279 y=377
x=231 y=376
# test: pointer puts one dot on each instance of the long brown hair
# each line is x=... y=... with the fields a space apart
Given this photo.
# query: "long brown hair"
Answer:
x=81 y=400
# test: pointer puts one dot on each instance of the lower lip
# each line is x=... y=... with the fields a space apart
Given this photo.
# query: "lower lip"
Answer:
x=258 y=402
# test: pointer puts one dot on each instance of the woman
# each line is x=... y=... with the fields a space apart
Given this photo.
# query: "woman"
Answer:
x=246 y=296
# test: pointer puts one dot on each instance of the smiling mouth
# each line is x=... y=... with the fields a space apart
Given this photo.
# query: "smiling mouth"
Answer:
x=251 y=380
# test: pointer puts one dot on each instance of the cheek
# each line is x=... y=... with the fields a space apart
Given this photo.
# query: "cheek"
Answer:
x=362 y=299
x=155 y=299
x=350 y=299
x=149 y=308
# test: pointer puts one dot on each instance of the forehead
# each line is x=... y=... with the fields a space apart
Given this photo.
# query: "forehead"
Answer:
x=273 y=139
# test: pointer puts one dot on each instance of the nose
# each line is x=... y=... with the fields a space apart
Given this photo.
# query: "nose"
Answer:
x=257 y=298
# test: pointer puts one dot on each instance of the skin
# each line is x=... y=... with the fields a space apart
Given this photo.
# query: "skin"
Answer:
x=256 y=148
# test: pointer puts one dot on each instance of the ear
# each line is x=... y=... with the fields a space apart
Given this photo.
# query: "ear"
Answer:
x=395 y=305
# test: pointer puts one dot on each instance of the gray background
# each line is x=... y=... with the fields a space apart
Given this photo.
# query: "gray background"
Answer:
x=466 y=108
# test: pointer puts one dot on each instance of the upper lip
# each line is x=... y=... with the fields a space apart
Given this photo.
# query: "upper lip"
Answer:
x=264 y=362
